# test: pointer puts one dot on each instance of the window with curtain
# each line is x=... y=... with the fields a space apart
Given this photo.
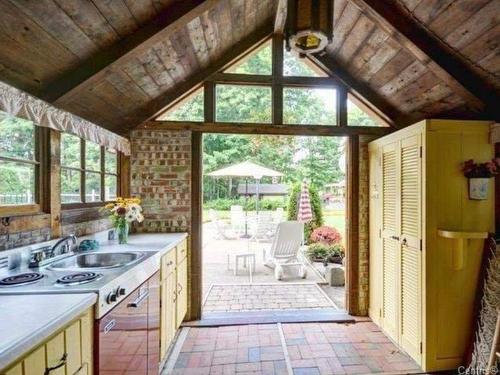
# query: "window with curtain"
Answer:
x=89 y=172
x=19 y=161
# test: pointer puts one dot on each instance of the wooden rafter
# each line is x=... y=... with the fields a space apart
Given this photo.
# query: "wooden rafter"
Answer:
x=158 y=105
x=272 y=129
x=280 y=20
x=94 y=69
x=432 y=52
x=380 y=106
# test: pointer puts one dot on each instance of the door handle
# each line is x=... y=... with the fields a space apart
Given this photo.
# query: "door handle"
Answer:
x=175 y=297
x=179 y=288
x=404 y=242
x=61 y=363
x=138 y=300
x=395 y=238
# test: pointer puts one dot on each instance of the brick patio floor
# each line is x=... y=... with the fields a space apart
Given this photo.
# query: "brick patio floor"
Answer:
x=254 y=297
x=290 y=349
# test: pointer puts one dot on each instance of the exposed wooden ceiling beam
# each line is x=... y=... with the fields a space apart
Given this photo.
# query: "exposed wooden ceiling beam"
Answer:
x=245 y=128
x=442 y=60
x=280 y=20
x=97 y=66
x=380 y=106
x=156 y=106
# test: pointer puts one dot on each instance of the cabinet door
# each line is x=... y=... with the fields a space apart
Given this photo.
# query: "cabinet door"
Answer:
x=56 y=353
x=390 y=239
x=168 y=313
x=181 y=291
x=411 y=255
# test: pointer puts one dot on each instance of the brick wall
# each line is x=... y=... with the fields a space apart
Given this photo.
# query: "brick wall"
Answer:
x=160 y=174
x=363 y=228
x=9 y=240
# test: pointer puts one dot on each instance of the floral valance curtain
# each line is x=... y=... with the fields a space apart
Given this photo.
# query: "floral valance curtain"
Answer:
x=18 y=103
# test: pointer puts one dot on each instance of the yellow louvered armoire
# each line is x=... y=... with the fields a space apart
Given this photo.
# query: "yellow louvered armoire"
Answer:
x=422 y=286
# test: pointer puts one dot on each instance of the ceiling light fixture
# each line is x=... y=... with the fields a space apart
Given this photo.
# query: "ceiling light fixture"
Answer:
x=309 y=25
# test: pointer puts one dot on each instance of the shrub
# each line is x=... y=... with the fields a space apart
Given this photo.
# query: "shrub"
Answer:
x=321 y=250
x=293 y=205
x=224 y=204
x=327 y=235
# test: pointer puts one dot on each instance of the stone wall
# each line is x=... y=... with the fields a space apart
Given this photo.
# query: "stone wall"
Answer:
x=160 y=174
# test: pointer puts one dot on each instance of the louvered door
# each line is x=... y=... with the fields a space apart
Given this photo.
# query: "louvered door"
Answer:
x=410 y=248
x=389 y=238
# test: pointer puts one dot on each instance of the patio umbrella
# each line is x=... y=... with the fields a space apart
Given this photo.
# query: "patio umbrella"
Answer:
x=247 y=169
x=304 y=213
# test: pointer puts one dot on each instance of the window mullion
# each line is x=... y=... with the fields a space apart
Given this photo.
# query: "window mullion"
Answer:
x=82 y=173
x=103 y=156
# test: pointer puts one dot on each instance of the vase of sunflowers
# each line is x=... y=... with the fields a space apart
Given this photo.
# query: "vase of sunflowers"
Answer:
x=122 y=214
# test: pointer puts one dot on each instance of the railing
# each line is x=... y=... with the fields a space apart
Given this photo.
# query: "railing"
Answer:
x=27 y=198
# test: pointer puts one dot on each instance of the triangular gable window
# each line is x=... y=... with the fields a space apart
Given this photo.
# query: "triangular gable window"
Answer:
x=257 y=62
x=359 y=114
x=189 y=108
x=294 y=66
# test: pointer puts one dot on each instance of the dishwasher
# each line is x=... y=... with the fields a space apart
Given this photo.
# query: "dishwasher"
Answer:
x=127 y=338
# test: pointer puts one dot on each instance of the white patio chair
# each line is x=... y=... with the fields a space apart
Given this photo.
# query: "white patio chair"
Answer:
x=237 y=220
x=219 y=226
x=278 y=215
x=285 y=249
x=263 y=227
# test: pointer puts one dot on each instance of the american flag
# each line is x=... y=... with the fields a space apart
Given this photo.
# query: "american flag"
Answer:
x=304 y=213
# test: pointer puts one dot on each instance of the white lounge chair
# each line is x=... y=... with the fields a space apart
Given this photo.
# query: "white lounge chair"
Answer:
x=220 y=228
x=285 y=249
x=263 y=228
x=237 y=220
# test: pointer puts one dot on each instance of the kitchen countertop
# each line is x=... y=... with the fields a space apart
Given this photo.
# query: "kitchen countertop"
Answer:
x=28 y=320
x=158 y=242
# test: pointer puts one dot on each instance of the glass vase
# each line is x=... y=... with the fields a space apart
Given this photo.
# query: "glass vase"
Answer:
x=122 y=231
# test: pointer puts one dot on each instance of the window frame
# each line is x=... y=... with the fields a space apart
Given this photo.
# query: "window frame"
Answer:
x=36 y=206
x=83 y=171
x=243 y=84
x=326 y=87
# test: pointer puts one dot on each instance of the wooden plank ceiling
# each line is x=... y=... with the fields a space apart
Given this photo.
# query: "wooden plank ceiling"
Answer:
x=387 y=65
x=45 y=43
x=118 y=62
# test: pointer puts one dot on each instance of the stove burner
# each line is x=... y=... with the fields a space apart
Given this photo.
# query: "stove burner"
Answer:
x=79 y=278
x=21 y=279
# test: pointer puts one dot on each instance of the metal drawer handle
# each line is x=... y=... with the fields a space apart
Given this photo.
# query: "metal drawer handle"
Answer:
x=395 y=238
x=139 y=299
x=404 y=242
x=170 y=263
x=61 y=363
x=108 y=327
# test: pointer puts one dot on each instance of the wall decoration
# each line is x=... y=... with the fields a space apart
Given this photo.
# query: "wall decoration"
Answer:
x=479 y=175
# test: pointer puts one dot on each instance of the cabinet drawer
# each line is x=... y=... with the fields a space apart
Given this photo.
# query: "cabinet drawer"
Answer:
x=168 y=264
x=181 y=251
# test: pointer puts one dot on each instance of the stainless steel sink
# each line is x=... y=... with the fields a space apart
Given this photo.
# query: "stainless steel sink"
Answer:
x=98 y=260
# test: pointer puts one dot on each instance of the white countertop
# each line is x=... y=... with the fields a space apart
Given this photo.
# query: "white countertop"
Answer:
x=27 y=321
x=158 y=242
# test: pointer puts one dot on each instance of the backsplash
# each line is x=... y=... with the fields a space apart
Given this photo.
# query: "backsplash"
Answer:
x=12 y=240
x=161 y=176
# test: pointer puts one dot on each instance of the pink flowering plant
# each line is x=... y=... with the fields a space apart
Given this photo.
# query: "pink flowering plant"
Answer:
x=488 y=169
x=326 y=244
x=326 y=235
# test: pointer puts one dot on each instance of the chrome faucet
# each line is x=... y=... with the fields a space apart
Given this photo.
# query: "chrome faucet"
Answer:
x=64 y=242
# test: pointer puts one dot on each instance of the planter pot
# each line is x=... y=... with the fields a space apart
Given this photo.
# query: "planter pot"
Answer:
x=478 y=188
x=335 y=259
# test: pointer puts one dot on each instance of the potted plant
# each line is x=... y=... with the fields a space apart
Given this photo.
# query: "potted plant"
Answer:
x=479 y=175
x=122 y=214
x=326 y=245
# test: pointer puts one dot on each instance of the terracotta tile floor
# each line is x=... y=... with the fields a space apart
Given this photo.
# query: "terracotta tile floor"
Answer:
x=297 y=349
x=252 y=297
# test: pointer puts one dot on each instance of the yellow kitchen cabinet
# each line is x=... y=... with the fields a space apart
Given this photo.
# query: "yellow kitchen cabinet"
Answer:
x=67 y=352
x=173 y=294
x=181 y=291
x=418 y=294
